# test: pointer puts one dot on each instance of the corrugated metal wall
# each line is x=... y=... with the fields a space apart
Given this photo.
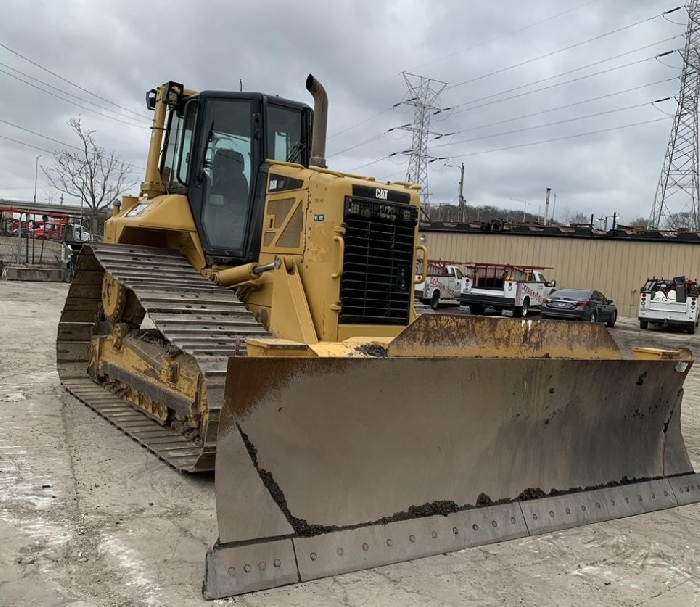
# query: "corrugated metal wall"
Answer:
x=617 y=268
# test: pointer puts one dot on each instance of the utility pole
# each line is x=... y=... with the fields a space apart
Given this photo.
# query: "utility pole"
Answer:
x=679 y=172
x=546 y=206
x=36 y=174
x=423 y=94
x=462 y=208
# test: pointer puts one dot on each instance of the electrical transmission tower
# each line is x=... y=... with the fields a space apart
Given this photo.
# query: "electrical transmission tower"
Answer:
x=423 y=94
x=679 y=174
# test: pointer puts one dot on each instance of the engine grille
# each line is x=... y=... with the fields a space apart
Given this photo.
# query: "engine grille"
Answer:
x=375 y=287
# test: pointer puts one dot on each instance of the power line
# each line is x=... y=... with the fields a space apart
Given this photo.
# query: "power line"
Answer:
x=21 y=128
x=572 y=71
x=41 y=67
x=561 y=50
x=371 y=139
x=507 y=120
x=9 y=67
x=515 y=31
x=542 y=126
x=357 y=145
x=362 y=121
x=552 y=86
x=554 y=109
x=24 y=143
x=464 y=50
x=524 y=145
x=29 y=145
x=371 y=162
x=141 y=126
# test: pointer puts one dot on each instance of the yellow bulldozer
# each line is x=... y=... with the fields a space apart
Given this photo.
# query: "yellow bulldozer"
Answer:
x=252 y=311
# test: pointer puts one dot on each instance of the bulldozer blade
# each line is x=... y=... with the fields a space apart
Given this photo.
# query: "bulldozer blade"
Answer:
x=370 y=461
x=450 y=335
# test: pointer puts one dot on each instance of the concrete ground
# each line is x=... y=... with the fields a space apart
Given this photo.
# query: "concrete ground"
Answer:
x=88 y=517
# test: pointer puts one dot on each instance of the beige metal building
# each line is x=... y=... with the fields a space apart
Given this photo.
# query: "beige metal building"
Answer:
x=618 y=267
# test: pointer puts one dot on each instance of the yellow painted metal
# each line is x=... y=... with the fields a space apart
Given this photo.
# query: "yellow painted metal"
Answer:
x=153 y=184
x=165 y=221
x=113 y=297
x=233 y=276
x=346 y=332
x=291 y=228
x=647 y=353
x=354 y=347
x=283 y=222
x=493 y=337
x=272 y=346
x=151 y=377
x=326 y=349
x=421 y=277
x=291 y=317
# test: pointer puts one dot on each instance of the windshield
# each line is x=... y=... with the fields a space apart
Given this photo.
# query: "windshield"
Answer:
x=227 y=171
x=577 y=294
x=284 y=134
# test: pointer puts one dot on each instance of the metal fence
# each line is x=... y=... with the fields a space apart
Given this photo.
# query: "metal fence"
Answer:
x=21 y=249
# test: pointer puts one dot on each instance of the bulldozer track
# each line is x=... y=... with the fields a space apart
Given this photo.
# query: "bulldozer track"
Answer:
x=200 y=318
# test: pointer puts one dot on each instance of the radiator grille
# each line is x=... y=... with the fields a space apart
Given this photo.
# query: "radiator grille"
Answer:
x=377 y=279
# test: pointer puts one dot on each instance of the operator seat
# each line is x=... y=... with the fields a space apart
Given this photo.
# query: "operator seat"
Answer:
x=227 y=200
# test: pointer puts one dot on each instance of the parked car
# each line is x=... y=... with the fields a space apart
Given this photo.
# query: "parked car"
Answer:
x=580 y=304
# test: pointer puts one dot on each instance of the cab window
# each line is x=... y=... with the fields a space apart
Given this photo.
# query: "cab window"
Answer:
x=227 y=141
x=284 y=134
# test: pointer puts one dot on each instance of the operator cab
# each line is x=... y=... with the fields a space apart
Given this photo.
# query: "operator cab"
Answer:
x=214 y=151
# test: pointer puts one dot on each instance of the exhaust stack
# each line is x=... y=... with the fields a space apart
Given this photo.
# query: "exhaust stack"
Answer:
x=318 y=140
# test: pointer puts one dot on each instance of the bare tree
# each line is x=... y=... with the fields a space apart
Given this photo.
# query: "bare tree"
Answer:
x=640 y=222
x=91 y=173
x=579 y=218
x=681 y=221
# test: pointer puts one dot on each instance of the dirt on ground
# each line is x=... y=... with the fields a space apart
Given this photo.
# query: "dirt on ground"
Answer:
x=89 y=517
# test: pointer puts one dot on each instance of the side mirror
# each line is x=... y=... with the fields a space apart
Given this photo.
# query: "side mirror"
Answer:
x=551 y=283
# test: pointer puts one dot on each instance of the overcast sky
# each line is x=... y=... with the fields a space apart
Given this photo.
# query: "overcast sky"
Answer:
x=358 y=49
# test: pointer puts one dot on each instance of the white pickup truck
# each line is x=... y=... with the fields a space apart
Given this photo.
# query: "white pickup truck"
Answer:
x=512 y=290
x=443 y=283
x=669 y=302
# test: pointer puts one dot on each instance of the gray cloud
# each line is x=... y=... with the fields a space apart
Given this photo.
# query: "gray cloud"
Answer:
x=358 y=49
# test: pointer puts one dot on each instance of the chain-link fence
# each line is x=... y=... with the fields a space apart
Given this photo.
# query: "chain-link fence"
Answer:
x=21 y=249
x=25 y=258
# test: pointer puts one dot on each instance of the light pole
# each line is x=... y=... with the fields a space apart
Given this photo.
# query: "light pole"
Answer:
x=524 y=201
x=615 y=216
x=36 y=174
